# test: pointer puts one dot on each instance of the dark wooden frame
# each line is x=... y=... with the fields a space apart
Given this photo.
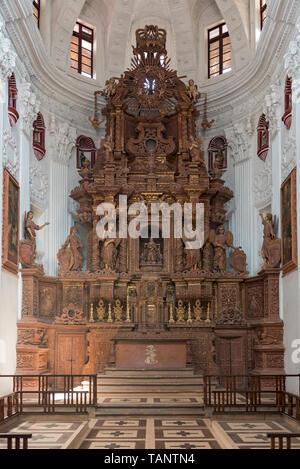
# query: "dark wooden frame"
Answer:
x=219 y=38
x=84 y=37
x=263 y=7
x=37 y=5
x=293 y=263
x=6 y=262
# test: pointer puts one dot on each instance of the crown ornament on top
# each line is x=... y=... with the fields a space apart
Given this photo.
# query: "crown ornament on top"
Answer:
x=151 y=40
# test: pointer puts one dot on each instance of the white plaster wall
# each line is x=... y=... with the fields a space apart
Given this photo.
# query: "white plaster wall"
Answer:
x=8 y=329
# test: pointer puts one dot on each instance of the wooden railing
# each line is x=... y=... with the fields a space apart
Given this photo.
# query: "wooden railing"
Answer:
x=282 y=440
x=49 y=394
x=17 y=438
x=9 y=406
x=251 y=394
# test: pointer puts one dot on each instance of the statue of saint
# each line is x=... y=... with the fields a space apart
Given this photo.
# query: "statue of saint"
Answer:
x=195 y=151
x=70 y=258
x=110 y=253
x=152 y=254
x=85 y=170
x=192 y=256
x=271 y=248
x=220 y=241
x=30 y=230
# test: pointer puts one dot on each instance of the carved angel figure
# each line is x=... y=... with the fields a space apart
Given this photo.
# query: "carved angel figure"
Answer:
x=220 y=241
x=271 y=248
x=193 y=92
x=110 y=88
x=70 y=258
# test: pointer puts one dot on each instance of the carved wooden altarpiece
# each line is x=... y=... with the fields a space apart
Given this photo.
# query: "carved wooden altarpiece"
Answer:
x=150 y=291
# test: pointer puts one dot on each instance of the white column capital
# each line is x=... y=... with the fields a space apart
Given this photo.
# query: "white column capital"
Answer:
x=65 y=141
x=28 y=105
x=273 y=108
x=238 y=140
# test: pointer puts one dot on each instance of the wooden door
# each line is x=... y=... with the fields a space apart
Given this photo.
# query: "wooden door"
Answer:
x=232 y=358
x=70 y=354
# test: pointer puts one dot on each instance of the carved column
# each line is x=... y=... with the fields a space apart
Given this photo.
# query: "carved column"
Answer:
x=63 y=139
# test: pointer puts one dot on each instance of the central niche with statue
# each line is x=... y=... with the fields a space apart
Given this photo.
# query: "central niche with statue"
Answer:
x=173 y=305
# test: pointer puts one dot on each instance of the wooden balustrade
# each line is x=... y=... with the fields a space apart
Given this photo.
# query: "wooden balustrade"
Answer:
x=9 y=406
x=251 y=394
x=49 y=394
x=17 y=438
x=282 y=440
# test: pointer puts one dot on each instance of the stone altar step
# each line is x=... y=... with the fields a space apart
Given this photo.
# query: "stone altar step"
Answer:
x=178 y=372
x=167 y=404
x=149 y=381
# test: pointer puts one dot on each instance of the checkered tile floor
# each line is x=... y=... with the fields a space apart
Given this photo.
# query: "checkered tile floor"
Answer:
x=152 y=433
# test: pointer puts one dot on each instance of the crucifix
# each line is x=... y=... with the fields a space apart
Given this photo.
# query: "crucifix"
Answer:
x=71 y=361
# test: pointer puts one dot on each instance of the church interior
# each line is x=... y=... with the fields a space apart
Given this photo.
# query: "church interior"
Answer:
x=126 y=342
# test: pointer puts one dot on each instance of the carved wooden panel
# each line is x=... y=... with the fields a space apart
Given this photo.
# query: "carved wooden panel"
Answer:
x=255 y=301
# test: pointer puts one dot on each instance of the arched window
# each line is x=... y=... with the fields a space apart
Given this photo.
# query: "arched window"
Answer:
x=37 y=11
x=263 y=138
x=39 y=137
x=263 y=8
x=287 y=116
x=85 y=148
x=219 y=51
x=82 y=49
x=216 y=146
x=13 y=114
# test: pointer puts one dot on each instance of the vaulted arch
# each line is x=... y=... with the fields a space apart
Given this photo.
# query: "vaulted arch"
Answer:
x=236 y=16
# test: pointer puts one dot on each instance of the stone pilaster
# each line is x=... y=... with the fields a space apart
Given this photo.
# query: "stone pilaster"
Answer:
x=63 y=140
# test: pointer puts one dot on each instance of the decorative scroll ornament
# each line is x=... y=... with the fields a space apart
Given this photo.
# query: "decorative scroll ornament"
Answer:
x=28 y=105
x=292 y=64
x=71 y=315
x=7 y=61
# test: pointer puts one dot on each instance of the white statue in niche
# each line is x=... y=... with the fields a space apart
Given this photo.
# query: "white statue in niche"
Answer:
x=151 y=355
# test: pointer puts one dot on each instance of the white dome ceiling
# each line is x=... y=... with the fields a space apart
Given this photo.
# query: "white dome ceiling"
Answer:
x=184 y=20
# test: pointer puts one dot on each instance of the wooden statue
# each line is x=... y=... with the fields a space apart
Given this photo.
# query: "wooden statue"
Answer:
x=85 y=171
x=110 y=253
x=196 y=152
x=221 y=240
x=218 y=164
x=193 y=92
x=271 y=248
x=28 y=247
x=151 y=254
x=70 y=258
